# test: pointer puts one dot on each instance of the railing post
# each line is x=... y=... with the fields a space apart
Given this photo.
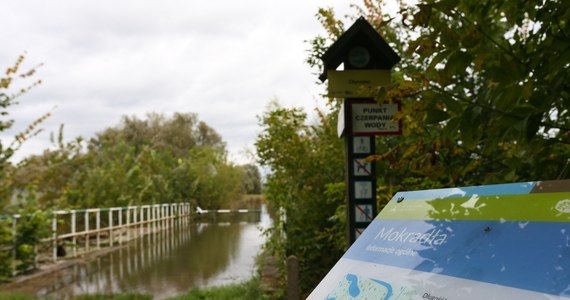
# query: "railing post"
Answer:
x=172 y=215
x=158 y=215
x=152 y=217
x=98 y=225
x=134 y=222
x=120 y=225
x=142 y=220
x=148 y=219
x=164 y=216
x=128 y=224
x=169 y=213
x=111 y=227
x=54 y=236
x=86 y=230
x=73 y=230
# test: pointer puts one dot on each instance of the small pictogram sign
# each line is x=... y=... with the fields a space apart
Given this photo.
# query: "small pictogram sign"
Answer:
x=363 y=213
x=362 y=167
x=362 y=189
x=361 y=144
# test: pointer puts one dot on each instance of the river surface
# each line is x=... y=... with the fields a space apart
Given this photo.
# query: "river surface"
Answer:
x=168 y=263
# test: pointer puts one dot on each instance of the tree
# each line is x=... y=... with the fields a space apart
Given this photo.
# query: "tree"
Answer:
x=140 y=161
x=251 y=179
x=306 y=184
x=485 y=93
x=32 y=223
x=7 y=100
x=494 y=82
x=484 y=99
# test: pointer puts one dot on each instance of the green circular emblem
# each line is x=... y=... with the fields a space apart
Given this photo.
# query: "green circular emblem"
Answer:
x=359 y=57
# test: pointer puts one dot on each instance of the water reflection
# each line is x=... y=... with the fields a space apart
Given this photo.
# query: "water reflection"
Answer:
x=170 y=262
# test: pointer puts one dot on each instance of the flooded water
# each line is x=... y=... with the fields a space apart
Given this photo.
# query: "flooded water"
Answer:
x=198 y=254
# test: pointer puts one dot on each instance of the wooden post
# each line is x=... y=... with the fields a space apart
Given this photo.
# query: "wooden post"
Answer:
x=293 y=289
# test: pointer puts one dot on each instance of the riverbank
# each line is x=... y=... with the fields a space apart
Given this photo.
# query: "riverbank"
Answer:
x=244 y=291
x=47 y=273
x=222 y=252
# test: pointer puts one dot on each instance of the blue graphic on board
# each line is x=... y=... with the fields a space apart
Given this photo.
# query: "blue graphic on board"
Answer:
x=353 y=287
x=449 y=252
x=462 y=249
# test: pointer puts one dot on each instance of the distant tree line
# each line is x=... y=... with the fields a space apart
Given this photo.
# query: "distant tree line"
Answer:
x=151 y=160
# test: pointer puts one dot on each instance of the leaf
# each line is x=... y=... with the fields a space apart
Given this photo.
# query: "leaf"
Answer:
x=452 y=105
x=469 y=126
x=434 y=116
x=423 y=16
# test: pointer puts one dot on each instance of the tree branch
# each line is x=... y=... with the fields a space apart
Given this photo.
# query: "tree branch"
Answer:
x=487 y=107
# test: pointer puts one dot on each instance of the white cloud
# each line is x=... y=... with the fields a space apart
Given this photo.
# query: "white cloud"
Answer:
x=103 y=59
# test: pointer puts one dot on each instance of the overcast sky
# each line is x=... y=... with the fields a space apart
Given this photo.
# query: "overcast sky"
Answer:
x=223 y=60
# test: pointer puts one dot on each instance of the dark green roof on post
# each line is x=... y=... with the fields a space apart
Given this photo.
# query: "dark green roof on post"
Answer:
x=359 y=47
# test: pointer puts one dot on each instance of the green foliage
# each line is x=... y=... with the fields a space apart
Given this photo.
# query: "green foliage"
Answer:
x=492 y=91
x=251 y=179
x=306 y=163
x=243 y=291
x=8 y=98
x=140 y=161
x=6 y=238
x=153 y=160
x=484 y=87
x=485 y=92
x=32 y=226
x=123 y=296
x=15 y=296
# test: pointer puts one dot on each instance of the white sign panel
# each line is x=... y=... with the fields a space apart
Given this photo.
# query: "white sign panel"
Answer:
x=375 y=119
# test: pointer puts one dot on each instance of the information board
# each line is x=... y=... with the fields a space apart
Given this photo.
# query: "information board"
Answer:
x=508 y=241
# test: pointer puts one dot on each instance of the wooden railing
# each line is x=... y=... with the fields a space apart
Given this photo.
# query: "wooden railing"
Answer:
x=103 y=226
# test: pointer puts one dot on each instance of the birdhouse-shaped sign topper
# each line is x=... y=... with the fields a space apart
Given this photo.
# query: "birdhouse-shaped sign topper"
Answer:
x=359 y=48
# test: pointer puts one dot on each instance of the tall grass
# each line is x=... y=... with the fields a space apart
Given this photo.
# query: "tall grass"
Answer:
x=249 y=290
